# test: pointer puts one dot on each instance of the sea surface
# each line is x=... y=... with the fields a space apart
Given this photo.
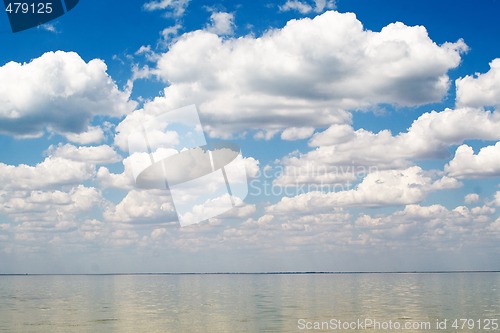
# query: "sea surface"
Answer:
x=367 y=302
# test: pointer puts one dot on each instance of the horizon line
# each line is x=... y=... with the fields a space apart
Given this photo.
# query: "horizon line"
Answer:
x=256 y=273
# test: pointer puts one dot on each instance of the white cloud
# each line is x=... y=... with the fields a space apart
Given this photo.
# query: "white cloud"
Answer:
x=252 y=166
x=123 y=237
x=382 y=188
x=84 y=198
x=124 y=180
x=140 y=118
x=91 y=229
x=297 y=133
x=50 y=173
x=429 y=136
x=481 y=89
x=177 y=7
x=66 y=165
x=466 y=164
x=483 y=210
x=57 y=92
x=167 y=35
x=221 y=23
x=93 y=134
x=471 y=198
x=95 y=155
x=451 y=127
x=342 y=152
x=304 y=7
x=305 y=74
x=49 y=27
x=497 y=199
x=434 y=225
x=213 y=207
x=48 y=198
x=158 y=233
x=299 y=6
x=151 y=206
x=143 y=50
x=41 y=215
x=332 y=228
x=495 y=227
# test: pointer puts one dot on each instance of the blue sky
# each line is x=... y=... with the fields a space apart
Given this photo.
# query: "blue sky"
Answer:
x=368 y=130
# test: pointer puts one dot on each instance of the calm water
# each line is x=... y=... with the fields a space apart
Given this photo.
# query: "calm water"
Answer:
x=244 y=303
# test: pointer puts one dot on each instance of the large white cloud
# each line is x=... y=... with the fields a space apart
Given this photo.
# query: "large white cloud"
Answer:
x=66 y=165
x=482 y=89
x=53 y=172
x=466 y=164
x=42 y=215
x=333 y=228
x=151 y=206
x=304 y=74
x=93 y=134
x=380 y=188
x=497 y=199
x=57 y=92
x=342 y=152
x=435 y=226
x=93 y=155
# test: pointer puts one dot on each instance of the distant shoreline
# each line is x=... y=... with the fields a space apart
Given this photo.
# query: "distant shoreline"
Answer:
x=254 y=273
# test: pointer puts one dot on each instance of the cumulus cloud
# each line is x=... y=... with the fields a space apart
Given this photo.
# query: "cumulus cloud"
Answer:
x=43 y=214
x=342 y=152
x=125 y=180
x=497 y=199
x=95 y=155
x=334 y=228
x=305 y=7
x=221 y=23
x=107 y=179
x=176 y=7
x=50 y=173
x=148 y=115
x=495 y=227
x=471 y=198
x=93 y=134
x=481 y=89
x=57 y=92
x=151 y=206
x=66 y=165
x=305 y=74
x=297 y=133
x=435 y=225
x=380 y=188
x=466 y=164
x=213 y=207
